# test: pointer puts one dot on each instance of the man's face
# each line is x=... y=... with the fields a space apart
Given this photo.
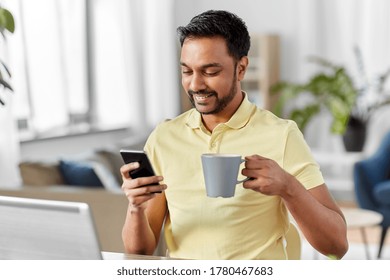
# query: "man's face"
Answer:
x=208 y=74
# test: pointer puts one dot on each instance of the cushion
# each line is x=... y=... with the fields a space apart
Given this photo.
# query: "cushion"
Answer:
x=112 y=156
x=382 y=193
x=41 y=173
x=115 y=160
x=105 y=176
x=79 y=173
x=102 y=166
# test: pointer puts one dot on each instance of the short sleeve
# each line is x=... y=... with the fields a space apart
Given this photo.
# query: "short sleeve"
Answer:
x=298 y=160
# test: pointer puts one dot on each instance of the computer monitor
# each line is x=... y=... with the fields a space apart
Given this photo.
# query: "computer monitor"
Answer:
x=46 y=229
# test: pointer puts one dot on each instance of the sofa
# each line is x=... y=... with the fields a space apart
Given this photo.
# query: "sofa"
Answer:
x=93 y=168
x=92 y=177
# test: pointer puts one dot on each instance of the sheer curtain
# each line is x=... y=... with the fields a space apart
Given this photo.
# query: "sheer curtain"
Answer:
x=9 y=141
x=9 y=148
x=144 y=72
x=331 y=29
x=113 y=61
x=47 y=61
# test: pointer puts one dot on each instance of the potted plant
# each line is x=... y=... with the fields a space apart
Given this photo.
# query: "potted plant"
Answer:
x=334 y=90
x=7 y=23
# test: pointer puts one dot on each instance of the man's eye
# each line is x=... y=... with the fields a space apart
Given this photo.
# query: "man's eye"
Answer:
x=186 y=72
x=213 y=73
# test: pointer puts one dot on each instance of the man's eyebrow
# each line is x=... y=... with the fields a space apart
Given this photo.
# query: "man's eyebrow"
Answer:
x=211 y=65
x=204 y=66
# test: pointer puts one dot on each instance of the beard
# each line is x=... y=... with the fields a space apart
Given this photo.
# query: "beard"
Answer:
x=221 y=103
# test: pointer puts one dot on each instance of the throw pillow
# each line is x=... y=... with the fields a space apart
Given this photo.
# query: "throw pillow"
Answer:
x=79 y=173
x=105 y=176
x=102 y=167
x=382 y=193
x=115 y=160
x=40 y=173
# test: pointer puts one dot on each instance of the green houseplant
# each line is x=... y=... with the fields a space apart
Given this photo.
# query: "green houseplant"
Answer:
x=7 y=23
x=334 y=90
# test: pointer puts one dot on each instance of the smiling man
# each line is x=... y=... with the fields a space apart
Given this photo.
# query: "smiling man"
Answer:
x=284 y=177
x=209 y=76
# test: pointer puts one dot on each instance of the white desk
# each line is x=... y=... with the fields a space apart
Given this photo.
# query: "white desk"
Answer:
x=123 y=256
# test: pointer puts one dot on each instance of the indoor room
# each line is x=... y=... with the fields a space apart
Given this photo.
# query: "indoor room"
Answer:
x=83 y=79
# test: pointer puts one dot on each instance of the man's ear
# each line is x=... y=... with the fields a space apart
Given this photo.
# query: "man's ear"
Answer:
x=242 y=65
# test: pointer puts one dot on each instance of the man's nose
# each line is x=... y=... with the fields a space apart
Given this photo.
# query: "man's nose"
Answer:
x=197 y=83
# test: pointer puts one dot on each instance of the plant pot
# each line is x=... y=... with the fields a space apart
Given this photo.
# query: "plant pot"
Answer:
x=355 y=135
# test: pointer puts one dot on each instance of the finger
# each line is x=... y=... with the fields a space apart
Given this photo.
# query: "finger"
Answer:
x=251 y=173
x=145 y=190
x=141 y=195
x=146 y=181
x=137 y=201
x=125 y=169
x=251 y=184
x=142 y=181
x=257 y=185
x=255 y=157
x=258 y=162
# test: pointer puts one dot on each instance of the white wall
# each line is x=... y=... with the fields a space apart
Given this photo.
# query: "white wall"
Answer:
x=261 y=16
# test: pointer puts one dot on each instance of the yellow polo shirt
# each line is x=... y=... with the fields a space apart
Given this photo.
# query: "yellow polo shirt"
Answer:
x=249 y=225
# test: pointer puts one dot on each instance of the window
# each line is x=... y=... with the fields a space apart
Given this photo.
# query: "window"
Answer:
x=78 y=65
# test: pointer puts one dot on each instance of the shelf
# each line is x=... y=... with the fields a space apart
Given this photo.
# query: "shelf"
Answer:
x=263 y=70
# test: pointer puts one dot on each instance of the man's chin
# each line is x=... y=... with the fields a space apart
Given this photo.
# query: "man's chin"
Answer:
x=206 y=112
x=203 y=109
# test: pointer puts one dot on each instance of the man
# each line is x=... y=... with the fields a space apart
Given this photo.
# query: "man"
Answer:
x=253 y=223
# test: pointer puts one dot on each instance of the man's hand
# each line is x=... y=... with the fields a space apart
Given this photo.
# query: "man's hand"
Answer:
x=267 y=177
x=140 y=190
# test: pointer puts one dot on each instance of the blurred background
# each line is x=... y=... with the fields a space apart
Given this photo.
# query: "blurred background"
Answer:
x=81 y=79
x=91 y=73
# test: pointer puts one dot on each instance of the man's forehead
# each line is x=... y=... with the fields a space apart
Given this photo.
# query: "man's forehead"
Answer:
x=206 y=51
x=204 y=42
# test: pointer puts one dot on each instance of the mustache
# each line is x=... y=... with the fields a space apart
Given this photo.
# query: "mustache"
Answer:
x=207 y=92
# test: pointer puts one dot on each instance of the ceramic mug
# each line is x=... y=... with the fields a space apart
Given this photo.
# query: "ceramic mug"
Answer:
x=220 y=173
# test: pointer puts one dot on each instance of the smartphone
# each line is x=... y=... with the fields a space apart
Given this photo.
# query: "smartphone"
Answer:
x=145 y=169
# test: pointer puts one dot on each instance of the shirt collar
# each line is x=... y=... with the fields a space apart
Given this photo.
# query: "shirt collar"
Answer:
x=237 y=121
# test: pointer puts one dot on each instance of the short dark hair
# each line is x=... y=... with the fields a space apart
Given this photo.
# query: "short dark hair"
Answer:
x=219 y=23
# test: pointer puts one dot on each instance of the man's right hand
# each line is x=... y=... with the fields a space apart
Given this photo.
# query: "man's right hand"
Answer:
x=139 y=190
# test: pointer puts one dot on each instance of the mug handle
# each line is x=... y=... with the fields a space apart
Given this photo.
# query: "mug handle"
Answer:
x=243 y=180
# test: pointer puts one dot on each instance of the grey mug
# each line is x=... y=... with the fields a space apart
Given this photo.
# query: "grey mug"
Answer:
x=220 y=173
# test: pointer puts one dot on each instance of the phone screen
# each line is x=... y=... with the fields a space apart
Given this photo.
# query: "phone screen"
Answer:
x=145 y=169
